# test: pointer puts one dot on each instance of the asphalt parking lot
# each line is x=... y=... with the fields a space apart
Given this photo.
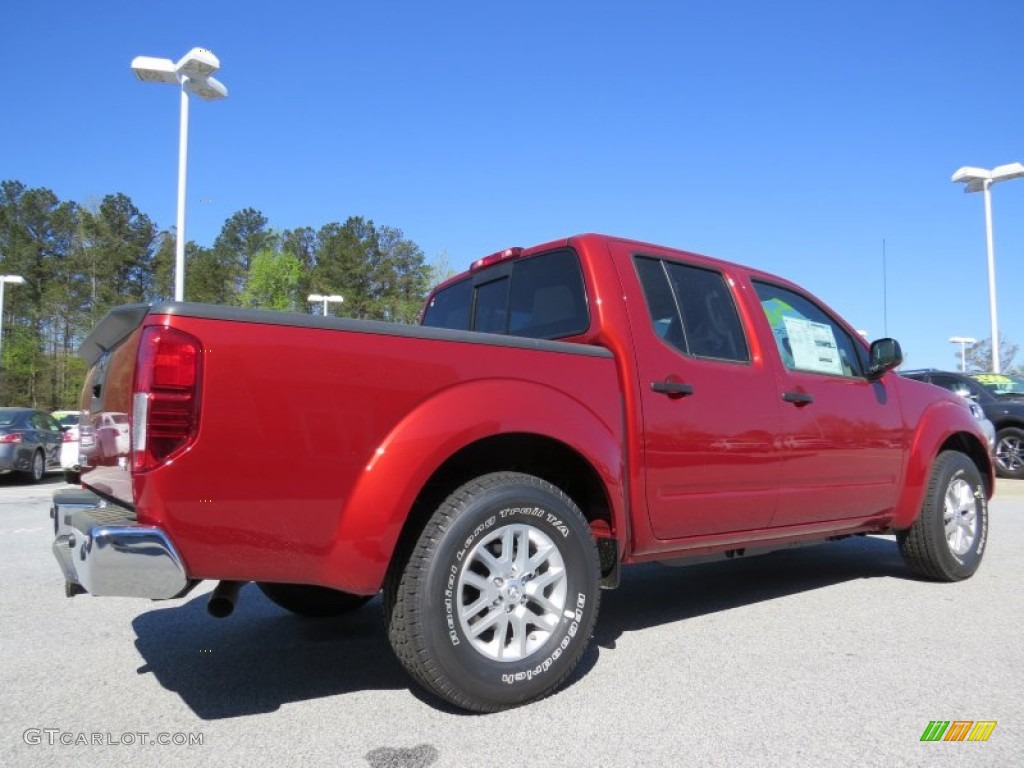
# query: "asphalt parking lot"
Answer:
x=826 y=655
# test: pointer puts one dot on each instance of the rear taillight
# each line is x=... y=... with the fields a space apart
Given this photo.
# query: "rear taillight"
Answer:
x=11 y=437
x=165 y=404
x=70 y=437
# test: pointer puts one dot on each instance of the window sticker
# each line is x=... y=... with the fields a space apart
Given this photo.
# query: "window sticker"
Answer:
x=814 y=346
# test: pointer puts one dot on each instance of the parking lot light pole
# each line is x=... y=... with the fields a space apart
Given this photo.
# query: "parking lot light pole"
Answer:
x=332 y=299
x=4 y=280
x=963 y=341
x=981 y=180
x=192 y=73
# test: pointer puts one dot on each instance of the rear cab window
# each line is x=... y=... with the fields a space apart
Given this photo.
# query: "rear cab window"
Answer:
x=539 y=297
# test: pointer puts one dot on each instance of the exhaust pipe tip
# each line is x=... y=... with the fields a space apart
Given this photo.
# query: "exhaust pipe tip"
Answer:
x=223 y=598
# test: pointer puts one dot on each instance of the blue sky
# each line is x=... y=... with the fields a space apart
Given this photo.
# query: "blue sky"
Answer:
x=790 y=136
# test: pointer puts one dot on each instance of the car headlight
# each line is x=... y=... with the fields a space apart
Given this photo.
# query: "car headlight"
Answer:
x=974 y=408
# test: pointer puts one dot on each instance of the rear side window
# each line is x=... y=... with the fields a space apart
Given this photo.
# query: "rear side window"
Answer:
x=542 y=297
x=692 y=309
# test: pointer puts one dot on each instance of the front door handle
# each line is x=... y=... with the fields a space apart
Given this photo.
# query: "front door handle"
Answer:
x=671 y=388
x=798 y=398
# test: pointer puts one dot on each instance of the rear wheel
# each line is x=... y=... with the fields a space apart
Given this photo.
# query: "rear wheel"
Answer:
x=310 y=600
x=947 y=541
x=36 y=469
x=1009 y=453
x=498 y=599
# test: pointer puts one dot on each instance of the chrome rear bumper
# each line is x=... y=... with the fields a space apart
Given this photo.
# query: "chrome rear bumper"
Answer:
x=103 y=550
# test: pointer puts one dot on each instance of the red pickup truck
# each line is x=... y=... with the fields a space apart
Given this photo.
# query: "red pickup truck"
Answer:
x=561 y=411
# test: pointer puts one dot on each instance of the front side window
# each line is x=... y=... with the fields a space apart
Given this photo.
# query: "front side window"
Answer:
x=808 y=338
x=692 y=309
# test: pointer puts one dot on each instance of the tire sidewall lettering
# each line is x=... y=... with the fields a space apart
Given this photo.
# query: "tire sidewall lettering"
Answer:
x=968 y=561
x=483 y=517
x=979 y=550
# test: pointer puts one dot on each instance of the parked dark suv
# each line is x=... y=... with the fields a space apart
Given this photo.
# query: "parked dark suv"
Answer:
x=1005 y=411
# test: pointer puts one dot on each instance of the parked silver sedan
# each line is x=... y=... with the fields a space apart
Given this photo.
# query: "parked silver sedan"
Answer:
x=30 y=442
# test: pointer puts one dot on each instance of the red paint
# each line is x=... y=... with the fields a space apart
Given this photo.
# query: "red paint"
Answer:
x=314 y=443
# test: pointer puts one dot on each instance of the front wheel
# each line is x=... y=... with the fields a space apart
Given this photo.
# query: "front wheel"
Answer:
x=947 y=541
x=1009 y=453
x=311 y=600
x=497 y=601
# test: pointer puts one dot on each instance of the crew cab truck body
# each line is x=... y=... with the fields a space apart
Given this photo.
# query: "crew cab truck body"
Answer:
x=562 y=411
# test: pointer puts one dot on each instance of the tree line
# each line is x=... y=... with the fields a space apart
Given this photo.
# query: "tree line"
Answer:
x=978 y=356
x=79 y=261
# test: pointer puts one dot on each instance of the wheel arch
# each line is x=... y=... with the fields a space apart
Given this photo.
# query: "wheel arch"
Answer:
x=945 y=426
x=466 y=432
x=967 y=444
x=532 y=454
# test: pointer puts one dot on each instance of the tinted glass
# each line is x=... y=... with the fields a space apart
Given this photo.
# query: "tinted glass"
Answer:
x=692 y=309
x=957 y=384
x=710 y=320
x=70 y=420
x=808 y=338
x=491 y=312
x=450 y=308
x=548 y=299
x=541 y=297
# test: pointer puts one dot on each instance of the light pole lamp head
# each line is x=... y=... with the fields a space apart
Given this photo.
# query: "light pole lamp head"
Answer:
x=193 y=71
x=975 y=179
x=962 y=340
x=13 y=279
x=209 y=88
x=150 y=69
x=199 y=62
x=1007 y=172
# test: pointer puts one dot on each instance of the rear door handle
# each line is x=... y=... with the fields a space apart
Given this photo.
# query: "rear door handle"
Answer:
x=797 y=398
x=671 y=388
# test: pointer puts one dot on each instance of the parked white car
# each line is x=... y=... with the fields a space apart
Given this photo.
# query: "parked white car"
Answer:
x=69 y=461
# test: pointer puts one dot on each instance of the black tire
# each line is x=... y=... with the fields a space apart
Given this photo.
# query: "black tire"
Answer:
x=947 y=541
x=526 y=534
x=37 y=470
x=72 y=476
x=1009 y=453
x=311 y=600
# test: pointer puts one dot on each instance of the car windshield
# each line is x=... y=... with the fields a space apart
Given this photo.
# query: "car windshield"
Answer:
x=71 y=420
x=1000 y=383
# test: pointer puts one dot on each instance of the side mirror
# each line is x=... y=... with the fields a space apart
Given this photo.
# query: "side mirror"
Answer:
x=885 y=355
